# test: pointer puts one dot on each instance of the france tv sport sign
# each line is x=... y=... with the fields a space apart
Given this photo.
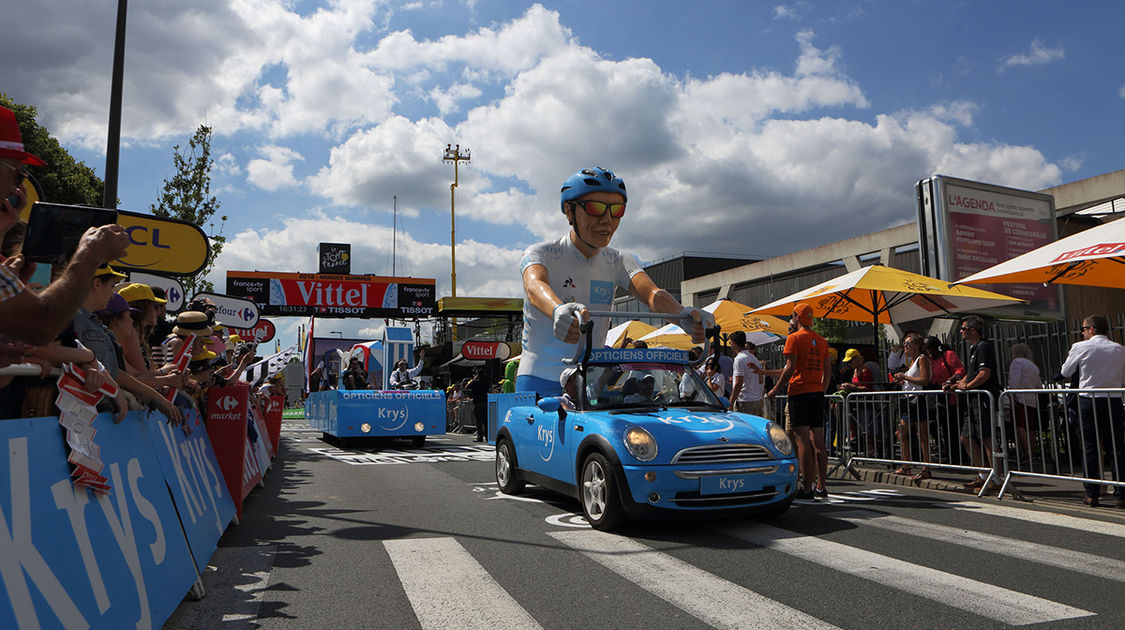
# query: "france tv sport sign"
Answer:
x=321 y=295
x=232 y=311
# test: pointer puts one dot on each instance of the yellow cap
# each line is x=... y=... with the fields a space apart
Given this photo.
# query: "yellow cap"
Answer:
x=137 y=292
x=106 y=270
x=852 y=353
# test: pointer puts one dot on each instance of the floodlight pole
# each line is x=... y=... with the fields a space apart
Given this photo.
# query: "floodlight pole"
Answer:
x=453 y=154
x=113 y=141
x=394 y=238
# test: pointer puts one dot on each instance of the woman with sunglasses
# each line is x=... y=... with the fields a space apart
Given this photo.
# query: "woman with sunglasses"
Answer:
x=564 y=277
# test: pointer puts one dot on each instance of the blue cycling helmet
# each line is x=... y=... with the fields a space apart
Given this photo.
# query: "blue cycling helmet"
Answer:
x=590 y=180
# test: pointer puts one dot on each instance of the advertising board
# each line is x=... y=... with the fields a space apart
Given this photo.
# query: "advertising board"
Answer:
x=334 y=258
x=232 y=310
x=966 y=226
x=322 y=295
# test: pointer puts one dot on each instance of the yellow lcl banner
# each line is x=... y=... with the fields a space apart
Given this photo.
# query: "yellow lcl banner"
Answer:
x=156 y=245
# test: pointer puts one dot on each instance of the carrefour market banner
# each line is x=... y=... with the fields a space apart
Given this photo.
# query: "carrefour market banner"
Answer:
x=324 y=295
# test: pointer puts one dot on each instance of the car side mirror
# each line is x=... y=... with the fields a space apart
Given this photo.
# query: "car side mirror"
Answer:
x=549 y=404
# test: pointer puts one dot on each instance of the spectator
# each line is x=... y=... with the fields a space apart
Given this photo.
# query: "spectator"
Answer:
x=1100 y=363
x=568 y=380
x=478 y=388
x=403 y=376
x=916 y=376
x=640 y=345
x=867 y=413
x=356 y=377
x=976 y=430
x=163 y=327
x=713 y=376
x=945 y=369
x=749 y=381
x=1024 y=374
x=806 y=372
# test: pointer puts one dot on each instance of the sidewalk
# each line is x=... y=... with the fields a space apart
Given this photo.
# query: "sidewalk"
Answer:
x=1043 y=492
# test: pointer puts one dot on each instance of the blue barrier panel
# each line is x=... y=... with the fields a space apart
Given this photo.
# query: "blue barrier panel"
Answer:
x=498 y=406
x=367 y=413
x=73 y=559
x=198 y=489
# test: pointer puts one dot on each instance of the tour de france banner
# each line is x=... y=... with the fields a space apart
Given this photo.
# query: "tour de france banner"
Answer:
x=73 y=558
x=323 y=295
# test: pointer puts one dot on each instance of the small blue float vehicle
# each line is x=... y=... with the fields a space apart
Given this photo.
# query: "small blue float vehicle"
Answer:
x=640 y=435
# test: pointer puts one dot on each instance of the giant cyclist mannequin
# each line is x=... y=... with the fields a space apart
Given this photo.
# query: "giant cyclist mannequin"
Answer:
x=564 y=277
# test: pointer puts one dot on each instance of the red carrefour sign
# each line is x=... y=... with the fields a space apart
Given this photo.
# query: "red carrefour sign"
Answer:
x=482 y=350
x=325 y=295
x=262 y=332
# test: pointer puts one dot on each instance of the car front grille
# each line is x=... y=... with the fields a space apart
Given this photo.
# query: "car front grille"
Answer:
x=722 y=454
x=747 y=499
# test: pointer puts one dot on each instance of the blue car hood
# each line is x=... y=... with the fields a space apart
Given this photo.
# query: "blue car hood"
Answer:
x=689 y=427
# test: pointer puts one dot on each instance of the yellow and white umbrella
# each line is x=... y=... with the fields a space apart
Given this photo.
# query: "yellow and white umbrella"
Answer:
x=732 y=316
x=669 y=336
x=1093 y=257
x=633 y=329
x=883 y=295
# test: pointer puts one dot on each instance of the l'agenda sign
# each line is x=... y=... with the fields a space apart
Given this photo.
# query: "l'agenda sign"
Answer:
x=322 y=295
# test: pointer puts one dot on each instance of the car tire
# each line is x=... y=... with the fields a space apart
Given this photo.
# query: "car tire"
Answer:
x=597 y=490
x=507 y=475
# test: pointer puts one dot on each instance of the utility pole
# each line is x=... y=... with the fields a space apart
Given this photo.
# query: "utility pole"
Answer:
x=453 y=154
x=113 y=141
x=394 y=238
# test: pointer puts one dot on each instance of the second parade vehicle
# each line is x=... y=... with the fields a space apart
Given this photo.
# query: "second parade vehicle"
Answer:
x=640 y=435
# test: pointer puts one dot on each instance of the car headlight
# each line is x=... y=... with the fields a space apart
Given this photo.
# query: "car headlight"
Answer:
x=780 y=439
x=640 y=444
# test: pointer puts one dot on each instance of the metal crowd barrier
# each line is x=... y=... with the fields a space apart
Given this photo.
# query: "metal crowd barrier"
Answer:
x=1061 y=434
x=927 y=429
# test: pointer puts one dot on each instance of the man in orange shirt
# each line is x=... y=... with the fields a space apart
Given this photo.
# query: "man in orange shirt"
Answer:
x=808 y=372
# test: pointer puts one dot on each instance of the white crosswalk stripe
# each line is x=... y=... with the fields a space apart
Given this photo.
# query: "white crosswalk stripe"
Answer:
x=449 y=589
x=708 y=597
x=977 y=597
x=1077 y=561
x=1042 y=518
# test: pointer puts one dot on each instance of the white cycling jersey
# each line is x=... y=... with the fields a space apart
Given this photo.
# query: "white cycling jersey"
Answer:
x=574 y=278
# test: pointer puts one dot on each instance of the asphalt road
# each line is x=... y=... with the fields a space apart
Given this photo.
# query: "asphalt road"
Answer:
x=393 y=537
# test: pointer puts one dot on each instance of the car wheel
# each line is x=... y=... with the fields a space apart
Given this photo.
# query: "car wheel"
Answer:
x=419 y=442
x=506 y=477
x=598 y=493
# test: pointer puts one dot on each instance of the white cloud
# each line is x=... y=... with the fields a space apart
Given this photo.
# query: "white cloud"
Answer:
x=448 y=100
x=1072 y=162
x=1037 y=56
x=1121 y=92
x=274 y=170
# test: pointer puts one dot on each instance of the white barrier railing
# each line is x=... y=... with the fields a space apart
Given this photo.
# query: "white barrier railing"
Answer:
x=1062 y=433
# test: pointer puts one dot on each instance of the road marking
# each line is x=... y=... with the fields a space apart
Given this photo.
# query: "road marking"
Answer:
x=1042 y=518
x=570 y=519
x=981 y=598
x=1077 y=561
x=704 y=595
x=449 y=589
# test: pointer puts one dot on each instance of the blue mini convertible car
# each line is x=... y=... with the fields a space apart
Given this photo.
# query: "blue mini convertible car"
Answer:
x=639 y=434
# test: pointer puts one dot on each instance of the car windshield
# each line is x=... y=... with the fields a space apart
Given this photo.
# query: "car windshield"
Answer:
x=631 y=385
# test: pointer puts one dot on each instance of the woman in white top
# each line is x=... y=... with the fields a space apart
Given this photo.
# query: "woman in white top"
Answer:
x=916 y=377
x=1024 y=374
x=713 y=376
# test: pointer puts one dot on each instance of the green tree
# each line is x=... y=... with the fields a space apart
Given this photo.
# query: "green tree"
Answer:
x=187 y=196
x=64 y=179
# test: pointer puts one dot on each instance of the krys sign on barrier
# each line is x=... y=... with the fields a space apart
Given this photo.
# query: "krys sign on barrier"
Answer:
x=71 y=558
x=233 y=311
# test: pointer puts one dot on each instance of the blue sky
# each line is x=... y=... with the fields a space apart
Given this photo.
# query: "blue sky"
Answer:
x=748 y=128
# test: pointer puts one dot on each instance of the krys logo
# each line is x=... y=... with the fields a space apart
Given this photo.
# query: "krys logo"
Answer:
x=601 y=292
x=546 y=438
x=699 y=424
x=392 y=418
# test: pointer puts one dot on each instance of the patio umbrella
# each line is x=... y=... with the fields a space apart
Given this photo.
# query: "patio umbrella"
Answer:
x=633 y=329
x=1093 y=257
x=669 y=336
x=732 y=316
x=883 y=295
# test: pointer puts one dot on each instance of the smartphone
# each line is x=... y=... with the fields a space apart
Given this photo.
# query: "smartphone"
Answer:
x=53 y=230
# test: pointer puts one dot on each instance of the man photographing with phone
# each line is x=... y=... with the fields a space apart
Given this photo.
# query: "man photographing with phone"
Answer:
x=39 y=317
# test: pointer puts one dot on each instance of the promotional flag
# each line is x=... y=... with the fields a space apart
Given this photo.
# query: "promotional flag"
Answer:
x=258 y=372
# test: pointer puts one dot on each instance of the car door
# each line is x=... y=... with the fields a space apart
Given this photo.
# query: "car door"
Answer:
x=549 y=445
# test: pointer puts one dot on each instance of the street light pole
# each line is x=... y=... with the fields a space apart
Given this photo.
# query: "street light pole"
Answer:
x=453 y=154
x=113 y=142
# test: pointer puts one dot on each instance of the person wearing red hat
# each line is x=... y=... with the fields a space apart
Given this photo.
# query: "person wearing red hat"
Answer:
x=39 y=317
